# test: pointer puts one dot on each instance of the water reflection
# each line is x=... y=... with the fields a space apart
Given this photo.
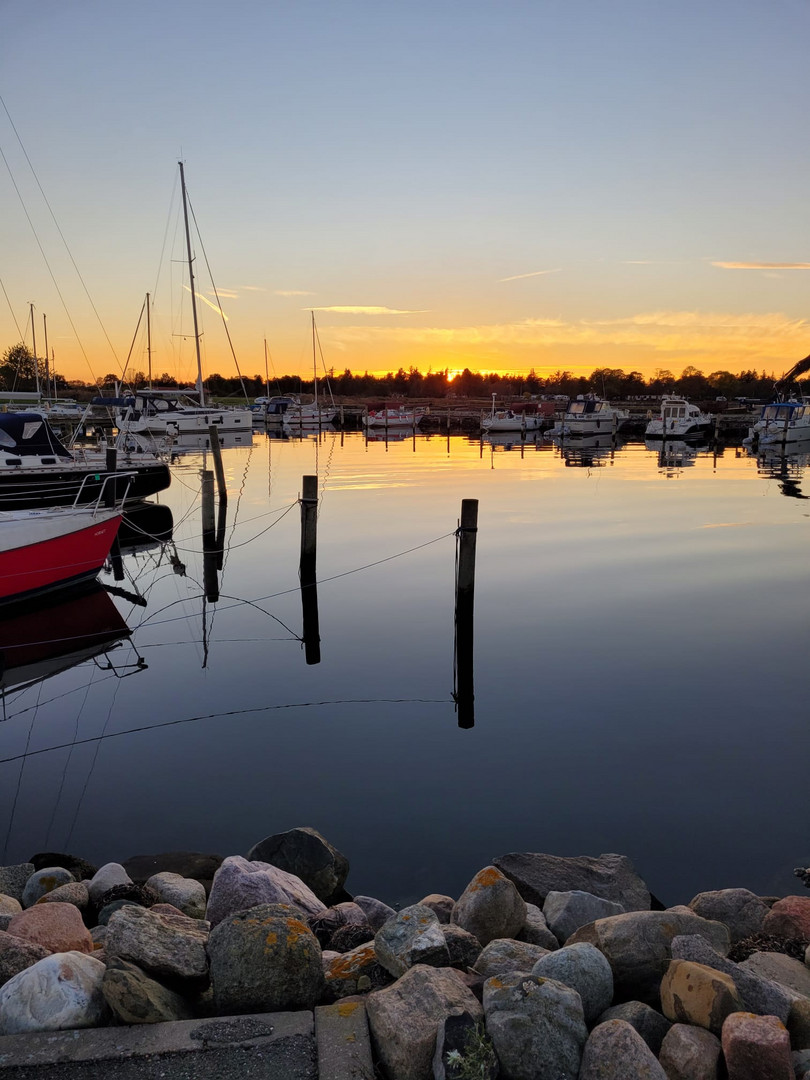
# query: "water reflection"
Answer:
x=586 y=451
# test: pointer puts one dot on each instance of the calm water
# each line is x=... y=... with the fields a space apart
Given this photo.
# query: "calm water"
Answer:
x=641 y=645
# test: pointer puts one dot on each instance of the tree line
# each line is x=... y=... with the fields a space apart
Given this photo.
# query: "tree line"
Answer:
x=18 y=371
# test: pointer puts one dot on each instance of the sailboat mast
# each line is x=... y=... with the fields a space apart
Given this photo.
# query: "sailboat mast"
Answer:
x=47 y=371
x=266 y=372
x=191 y=284
x=34 y=339
x=149 y=340
x=314 y=364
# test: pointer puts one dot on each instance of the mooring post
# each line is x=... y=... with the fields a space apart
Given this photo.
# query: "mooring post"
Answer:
x=216 y=453
x=111 y=486
x=465 y=597
x=306 y=570
x=210 y=577
x=309 y=521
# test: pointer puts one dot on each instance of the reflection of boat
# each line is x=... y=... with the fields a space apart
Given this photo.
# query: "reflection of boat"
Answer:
x=52 y=637
x=674 y=453
x=786 y=469
x=389 y=417
x=589 y=416
x=188 y=444
x=53 y=548
x=678 y=420
x=509 y=439
x=145 y=525
x=587 y=450
x=36 y=469
x=396 y=434
x=782 y=423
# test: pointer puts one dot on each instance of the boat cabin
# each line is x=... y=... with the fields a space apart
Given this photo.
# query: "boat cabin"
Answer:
x=24 y=436
x=587 y=407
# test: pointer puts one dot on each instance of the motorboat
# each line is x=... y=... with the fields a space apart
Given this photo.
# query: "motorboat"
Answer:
x=271 y=410
x=679 y=419
x=510 y=420
x=589 y=416
x=781 y=423
x=37 y=469
x=176 y=412
x=387 y=417
x=54 y=548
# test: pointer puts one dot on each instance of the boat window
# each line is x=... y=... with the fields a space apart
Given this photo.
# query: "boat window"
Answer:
x=577 y=408
x=13 y=461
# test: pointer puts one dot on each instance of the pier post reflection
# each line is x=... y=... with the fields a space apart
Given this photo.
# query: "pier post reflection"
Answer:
x=209 y=539
x=464 y=691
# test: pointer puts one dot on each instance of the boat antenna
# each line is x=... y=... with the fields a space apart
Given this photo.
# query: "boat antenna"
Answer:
x=191 y=284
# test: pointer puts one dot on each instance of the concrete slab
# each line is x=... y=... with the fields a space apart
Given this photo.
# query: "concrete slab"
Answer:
x=344 y=1045
x=262 y=1046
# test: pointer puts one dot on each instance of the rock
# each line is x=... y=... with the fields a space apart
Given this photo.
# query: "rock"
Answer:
x=9 y=906
x=56 y=927
x=107 y=912
x=135 y=998
x=240 y=885
x=187 y=895
x=5 y=920
x=739 y=909
x=441 y=905
x=463 y=947
x=536 y=931
x=798 y=1022
x=14 y=878
x=780 y=969
x=506 y=954
x=463 y=1050
x=790 y=918
x=75 y=893
x=637 y=946
x=413 y=936
x=566 y=912
x=758 y=995
x=80 y=868
x=264 y=962
x=309 y=856
x=616 y=1051
x=354 y=972
x=756 y=1046
x=490 y=907
x=188 y=864
x=376 y=911
x=162 y=909
x=106 y=878
x=171 y=947
x=349 y=937
x=695 y=994
x=404 y=1018
x=649 y=1023
x=135 y=894
x=58 y=992
x=99 y=936
x=610 y=876
x=335 y=918
x=584 y=969
x=17 y=954
x=44 y=881
x=536 y=1026
x=690 y=1053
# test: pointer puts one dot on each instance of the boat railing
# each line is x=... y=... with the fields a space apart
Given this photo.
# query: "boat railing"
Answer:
x=106 y=498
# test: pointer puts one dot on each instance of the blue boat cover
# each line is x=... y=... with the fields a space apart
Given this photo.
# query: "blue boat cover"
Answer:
x=28 y=435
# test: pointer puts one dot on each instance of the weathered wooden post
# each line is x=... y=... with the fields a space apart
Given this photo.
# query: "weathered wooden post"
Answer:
x=111 y=484
x=306 y=570
x=465 y=602
x=210 y=577
x=216 y=453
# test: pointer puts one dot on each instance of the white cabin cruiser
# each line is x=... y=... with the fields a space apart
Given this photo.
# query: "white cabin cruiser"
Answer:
x=400 y=416
x=678 y=420
x=589 y=416
x=508 y=419
x=781 y=423
x=175 y=412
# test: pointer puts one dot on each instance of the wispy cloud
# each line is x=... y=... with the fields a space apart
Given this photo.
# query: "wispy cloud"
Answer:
x=534 y=273
x=344 y=310
x=226 y=294
x=761 y=266
x=292 y=292
x=253 y=288
x=638 y=262
x=205 y=300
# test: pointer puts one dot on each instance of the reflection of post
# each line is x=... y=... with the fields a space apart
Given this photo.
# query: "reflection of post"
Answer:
x=210 y=577
x=216 y=452
x=465 y=590
x=306 y=570
x=219 y=543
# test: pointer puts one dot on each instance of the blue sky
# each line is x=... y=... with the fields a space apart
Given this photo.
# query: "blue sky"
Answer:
x=500 y=186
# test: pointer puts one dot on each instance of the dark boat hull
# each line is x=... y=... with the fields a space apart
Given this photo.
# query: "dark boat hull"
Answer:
x=27 y=489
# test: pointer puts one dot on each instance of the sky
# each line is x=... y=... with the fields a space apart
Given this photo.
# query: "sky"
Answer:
x=556 y=184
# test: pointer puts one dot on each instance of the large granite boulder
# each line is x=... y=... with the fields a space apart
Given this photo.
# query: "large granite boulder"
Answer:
x=758 y=994
x=790 y=973
x=16 y=955
x=648 y=1022
x=442 y=905
x=56 y=927
x=75 y=892
x=583 y=968
x=690 y=1053
x=698 y=995
x=413 y=936
x=44 y=881
x=565 y=912
x=536 y=930
x=186 y=894
x=376 y=911
x=240 y=885
x=107 y=877
x=464 y=948
x=756 y=1046
x=638 y=947
x=404 y=1018
x=13 y=879
x=60 y=991
x=616 y=1051
x=506 y=954
x=610 y=876
x=536 y=1025
x=490 y=907
x=309 y=856
x=9 y=906
x=264 y=961
x=169 y=947
x=789 y=918
x=135 y=998
x=325 y=925
x=188 y=864
x=355 y=972
x=742 y=911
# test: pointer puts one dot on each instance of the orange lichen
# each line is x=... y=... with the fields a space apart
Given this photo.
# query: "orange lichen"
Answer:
x=490 y=875
x=348 y=1009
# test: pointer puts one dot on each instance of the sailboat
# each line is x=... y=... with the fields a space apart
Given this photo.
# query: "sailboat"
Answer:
x=175 y=412
x=312 y=415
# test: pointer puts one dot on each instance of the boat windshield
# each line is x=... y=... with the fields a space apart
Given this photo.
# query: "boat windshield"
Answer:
x=782 y=411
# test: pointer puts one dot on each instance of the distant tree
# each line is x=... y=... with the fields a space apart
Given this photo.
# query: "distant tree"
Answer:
x=18 y=369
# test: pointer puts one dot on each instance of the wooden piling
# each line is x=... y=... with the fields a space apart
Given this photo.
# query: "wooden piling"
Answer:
x=464 y=620
x=306 y=570
x=111 y=486
x=208 y=516
x=216 y=453
x=309 y=520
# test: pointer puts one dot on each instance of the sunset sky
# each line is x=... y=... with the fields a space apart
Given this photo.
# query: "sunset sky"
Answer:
x=550 y=184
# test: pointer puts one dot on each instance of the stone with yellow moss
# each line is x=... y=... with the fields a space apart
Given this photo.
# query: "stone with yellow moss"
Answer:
x=412 y=936
x=490 y=907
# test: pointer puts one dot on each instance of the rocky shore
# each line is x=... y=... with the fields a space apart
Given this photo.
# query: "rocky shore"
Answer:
x=545 y=968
